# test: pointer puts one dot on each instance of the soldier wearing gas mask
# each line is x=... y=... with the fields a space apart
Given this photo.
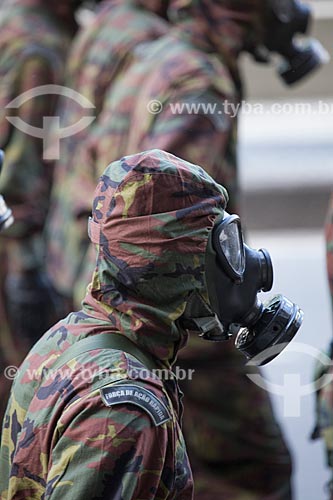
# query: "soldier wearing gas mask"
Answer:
x=197 y=63
x=88 y=398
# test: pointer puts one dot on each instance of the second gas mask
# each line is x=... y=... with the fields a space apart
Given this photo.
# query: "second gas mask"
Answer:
x=283 y=21
x=6 y=216
x=235 y=274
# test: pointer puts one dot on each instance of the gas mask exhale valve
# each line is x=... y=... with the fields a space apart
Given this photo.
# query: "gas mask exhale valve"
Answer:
x=284 y=21
x=235 y=274
x=6 y=216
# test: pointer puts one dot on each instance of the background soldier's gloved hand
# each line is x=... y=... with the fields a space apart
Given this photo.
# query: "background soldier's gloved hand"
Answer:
x=324 y=411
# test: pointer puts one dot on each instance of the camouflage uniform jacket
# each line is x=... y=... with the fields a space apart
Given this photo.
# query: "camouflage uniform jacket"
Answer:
x=99 y=54
x=151 y=220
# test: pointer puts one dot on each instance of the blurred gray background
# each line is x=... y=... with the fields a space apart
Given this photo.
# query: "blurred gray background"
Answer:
x=286 y=176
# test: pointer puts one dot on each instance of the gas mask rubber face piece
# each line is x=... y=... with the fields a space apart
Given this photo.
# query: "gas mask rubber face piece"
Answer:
x=283 y=21
x=235 y=274
x=6 y=216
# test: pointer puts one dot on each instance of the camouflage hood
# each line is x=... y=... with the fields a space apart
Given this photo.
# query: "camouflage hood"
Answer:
x=152 y=215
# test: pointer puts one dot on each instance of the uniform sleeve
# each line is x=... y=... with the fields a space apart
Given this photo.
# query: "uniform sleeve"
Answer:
x=192 y=137
x=107 y=453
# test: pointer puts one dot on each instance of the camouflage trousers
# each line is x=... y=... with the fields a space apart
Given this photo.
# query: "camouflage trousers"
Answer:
x=235 y=445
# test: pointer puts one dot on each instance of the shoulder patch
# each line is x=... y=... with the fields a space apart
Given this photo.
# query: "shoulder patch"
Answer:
x=139 y=396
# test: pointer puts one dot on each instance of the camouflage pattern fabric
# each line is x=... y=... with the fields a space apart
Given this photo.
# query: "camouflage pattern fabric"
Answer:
x=243 y=449
x=151 y=220
x=99 y=53
x=33 y=49
x=159 y=7
x=32 y=52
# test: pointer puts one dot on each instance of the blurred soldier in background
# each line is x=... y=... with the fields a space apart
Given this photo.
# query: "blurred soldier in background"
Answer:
x=34 y=40
x=99 y=54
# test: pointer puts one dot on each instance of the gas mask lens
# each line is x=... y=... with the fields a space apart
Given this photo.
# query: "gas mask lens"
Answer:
x=229 y=239
x=235 y=274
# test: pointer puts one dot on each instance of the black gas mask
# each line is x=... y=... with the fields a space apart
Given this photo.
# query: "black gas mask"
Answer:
x=235 y=274
x=283 y=20
x=6 y=216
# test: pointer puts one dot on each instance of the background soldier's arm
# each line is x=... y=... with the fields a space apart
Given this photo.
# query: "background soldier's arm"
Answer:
x=208 y=140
